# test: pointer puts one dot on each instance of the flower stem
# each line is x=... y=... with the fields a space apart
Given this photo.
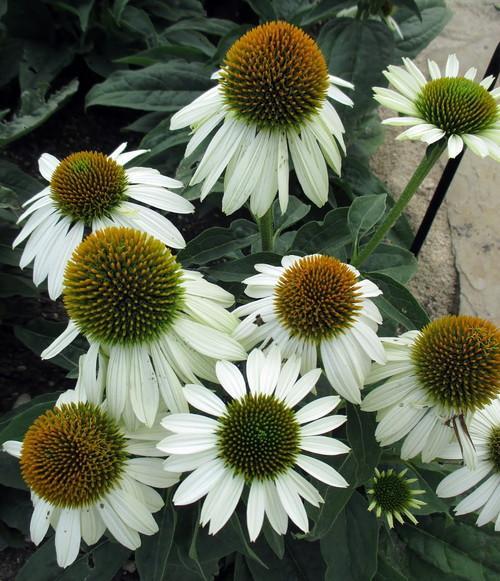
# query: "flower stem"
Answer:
x=432 y=154
x=266 y=230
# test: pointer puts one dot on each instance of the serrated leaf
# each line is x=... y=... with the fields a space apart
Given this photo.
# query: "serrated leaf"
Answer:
x=35 y=110
x=161 y=87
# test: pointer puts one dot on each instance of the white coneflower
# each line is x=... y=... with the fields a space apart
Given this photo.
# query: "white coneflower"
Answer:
x=449 y=107
x=256 y=439
x=152 y=323
x=315 y=305
x=91 y=190
x=272 y=100
x=392 y=496
x=86 y=475
x=432 y=383
x=485 y=499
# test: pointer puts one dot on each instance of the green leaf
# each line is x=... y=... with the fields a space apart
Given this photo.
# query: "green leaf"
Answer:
x=153 y=555
x=10 y=473
x=213 y=26
x=418 y=33
x=358 y=51
x=100 y=563
x=215 y=243
x=398 y=306
x=15 y=179
x=38 y=334
x=398 y=263
x=264 y=8
x=428 y=480
x=41 y=63
x=117 y=10
x=16 y=508
x=350 y=548
x=364 y=213
x=321 y=11
x=454 y=549
x=335 y=500
x=160 y=87
x=34 y=111
x=237 y=270
x=327 y=237
x=22 y=420
x=361 y=436
x=295 y=211
x=81 y=8
x=12 y=285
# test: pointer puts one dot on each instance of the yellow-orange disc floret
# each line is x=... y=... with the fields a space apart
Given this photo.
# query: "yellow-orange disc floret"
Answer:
x=274 y=76
x=317 y=298
x=88 y=185
x=73 y=455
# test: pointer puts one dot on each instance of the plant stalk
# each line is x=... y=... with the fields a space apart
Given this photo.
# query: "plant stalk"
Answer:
x=266 y=230
x=431 y=156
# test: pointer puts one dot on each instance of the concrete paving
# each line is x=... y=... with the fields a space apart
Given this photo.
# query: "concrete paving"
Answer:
x=459 y=263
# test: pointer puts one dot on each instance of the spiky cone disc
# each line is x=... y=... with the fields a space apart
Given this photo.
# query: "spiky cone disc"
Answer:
x=392 y=496
x=457 y=361
x=122 y=286
x=274 y=76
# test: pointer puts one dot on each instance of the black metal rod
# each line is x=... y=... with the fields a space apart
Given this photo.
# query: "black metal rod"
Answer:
x=448 y=174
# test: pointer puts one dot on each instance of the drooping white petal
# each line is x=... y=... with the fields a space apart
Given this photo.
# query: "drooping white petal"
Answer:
x=317 y=409
x=184 y=444
x=68 y=536
x=92 y=525
x=291 y=501
x=323 y=425
x=189 y=424
x=40 y=520
x=132 y=512
x=323 y=445
x=205 y=400
x=461 y=480
x=47 y=164
x=124 y=534
x=455 y=145
x=255 y=509
x=65 y=338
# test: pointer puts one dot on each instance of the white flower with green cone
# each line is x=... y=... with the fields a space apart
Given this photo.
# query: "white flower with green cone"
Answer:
x=272 y=99
x=151 y=325
x=433 y=381
x=484 y=479
x=86 y=476
x=257 y=439
x=91 y=190
x=448 y=107
x=315 y=307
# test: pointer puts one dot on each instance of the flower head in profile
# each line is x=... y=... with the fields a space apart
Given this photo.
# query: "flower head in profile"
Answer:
x=150 y=323
x=91 y=190
x=315 y=305
x=272 y=99
x=392 y=496
x=87 y=475
x=485 y=499
x=448 y=106
x=432 y=383
x=256 y=440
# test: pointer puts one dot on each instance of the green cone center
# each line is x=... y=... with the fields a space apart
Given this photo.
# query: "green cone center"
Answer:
x=317 y=298
x=72 y=455
x=274 y=76
x=391 y=492
x=122 y=286
x=457 y=105
x=88 y=185
x=457 y=361
x=259 y=437
x=494 y=448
